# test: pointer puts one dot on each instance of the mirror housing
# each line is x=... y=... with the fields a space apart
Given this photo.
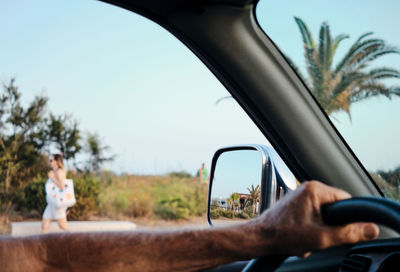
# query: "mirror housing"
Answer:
x=275 y=178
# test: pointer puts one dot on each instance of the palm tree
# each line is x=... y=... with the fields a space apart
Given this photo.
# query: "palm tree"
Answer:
x=255 y=196
x=336 y=87
x=233 y=201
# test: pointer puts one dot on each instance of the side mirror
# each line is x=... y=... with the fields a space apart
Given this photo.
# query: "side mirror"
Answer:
x=244 y=181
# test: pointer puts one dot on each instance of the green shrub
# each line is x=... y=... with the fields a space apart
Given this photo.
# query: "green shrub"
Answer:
x=87 y=189
x=108 y=202
x=227 y=213
x=215 y=213
x=33 y=196
x=168 y=198
x=121 y=201
x=180 y=198
x=242 y=215
x=390 y=189
x=108 y=178
x=173 y=208
x=126 y=196
x=180 y=174
x=249 y=212
x=141 y=203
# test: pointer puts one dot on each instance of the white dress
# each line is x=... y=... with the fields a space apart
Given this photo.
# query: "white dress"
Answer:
x=54 y=213
x=51 y=211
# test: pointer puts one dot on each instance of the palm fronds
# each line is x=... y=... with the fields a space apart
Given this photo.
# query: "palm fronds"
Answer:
x=336 y=88
x=305 y=33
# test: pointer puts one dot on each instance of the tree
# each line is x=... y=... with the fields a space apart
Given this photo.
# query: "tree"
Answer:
x=255 y=196
x=349 y=81
x=63 y=131
x=336 y=87
x=96 y=152
x=21 y=139
x=392 y=177
x=233 y=201
x=24 y=133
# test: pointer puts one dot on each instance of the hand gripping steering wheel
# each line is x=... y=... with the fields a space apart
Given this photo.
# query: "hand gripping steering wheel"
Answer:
x=357 y=209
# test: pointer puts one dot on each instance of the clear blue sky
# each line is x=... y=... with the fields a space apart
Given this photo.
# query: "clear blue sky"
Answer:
x=236 y=172
x=150 y=99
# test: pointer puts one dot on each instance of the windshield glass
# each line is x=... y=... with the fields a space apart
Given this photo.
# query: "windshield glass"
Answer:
x=347 y=53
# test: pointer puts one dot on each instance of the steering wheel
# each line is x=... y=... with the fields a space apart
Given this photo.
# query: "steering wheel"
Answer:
x=357 y=209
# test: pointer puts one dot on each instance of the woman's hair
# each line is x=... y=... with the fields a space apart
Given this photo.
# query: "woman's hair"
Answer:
x=59 y=159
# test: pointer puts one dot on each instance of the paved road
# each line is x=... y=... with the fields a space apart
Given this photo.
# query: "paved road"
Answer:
x=31 y=228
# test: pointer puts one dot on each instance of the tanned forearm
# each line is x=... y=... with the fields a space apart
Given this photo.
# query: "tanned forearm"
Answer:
x=293 y=226
x=21 y=254
x=187 y=250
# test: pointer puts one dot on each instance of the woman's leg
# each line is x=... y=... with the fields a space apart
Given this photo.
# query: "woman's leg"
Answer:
x=62 y=223
x=46 y=219
x=45 y=225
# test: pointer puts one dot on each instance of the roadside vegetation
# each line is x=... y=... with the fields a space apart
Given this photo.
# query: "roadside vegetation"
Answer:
x=111 y=196
x=27 y=133
x=237 y=206
x=106 y=196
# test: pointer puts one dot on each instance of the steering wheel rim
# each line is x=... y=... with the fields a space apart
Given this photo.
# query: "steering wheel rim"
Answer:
x=357 y=209
x=363 y=209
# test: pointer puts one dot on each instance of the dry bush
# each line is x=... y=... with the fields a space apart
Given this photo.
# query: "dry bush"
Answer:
x=168 y=197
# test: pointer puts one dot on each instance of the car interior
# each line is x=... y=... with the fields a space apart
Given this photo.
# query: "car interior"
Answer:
x=227 y=38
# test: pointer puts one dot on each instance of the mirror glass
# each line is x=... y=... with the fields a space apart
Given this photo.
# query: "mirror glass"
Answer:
x=236 y=186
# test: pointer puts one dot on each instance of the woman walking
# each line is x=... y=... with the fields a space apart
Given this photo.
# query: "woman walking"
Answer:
x=57 y=176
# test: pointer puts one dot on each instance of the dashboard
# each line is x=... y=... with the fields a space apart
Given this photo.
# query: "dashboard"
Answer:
x=379 y=255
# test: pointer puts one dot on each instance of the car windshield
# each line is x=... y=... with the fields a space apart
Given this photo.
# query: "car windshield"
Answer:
x=348 y=54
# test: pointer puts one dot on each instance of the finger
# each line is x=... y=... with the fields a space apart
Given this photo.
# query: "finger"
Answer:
x=351 y=233
x=327 y=194
x=305 y=255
